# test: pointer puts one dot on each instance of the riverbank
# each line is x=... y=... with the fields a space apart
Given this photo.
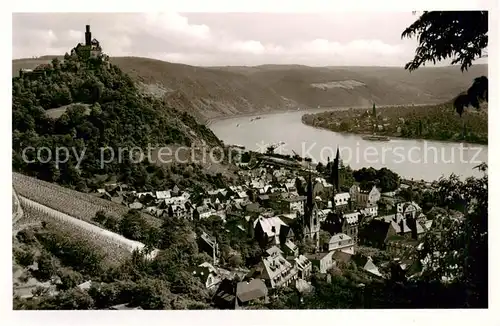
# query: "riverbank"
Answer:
x=427 y=160
x=431 y=123
x=346 y=133
x=210 y=121
x=213 y=120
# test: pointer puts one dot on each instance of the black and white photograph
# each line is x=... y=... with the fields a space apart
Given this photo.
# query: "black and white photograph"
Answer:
x=250 y=160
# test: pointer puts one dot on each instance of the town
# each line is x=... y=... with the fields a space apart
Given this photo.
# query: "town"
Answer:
x=267 y=231
x=302 y=220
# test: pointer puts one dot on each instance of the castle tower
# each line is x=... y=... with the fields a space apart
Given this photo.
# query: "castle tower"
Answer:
x=88 y=35
x=311 y=220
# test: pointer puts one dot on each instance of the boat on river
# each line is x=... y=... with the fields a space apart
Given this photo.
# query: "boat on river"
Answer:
x=376 y=138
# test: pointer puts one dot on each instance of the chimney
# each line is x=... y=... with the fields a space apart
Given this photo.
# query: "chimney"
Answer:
x=88 y=35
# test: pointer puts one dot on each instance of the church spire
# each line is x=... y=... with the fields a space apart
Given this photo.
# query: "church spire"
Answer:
x=309 y=202
x=335 y=172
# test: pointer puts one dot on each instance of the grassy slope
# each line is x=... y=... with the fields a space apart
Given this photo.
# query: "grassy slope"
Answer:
x=222 y=91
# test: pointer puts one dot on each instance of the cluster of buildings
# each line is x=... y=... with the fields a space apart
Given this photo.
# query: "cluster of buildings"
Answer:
x=282 y=208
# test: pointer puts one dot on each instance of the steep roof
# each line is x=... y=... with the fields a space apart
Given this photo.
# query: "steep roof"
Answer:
x=302 y=261
x=246 y=291
x=337 y=238
x=268 y=223
x=275 y=264
x=352 y=218
x=376 y=231
x=342 y=197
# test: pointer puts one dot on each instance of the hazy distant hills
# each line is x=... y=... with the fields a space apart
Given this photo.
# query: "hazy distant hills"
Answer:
x=209 y=92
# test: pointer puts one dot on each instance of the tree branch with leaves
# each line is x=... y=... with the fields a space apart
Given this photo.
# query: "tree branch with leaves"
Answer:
x=458 y=35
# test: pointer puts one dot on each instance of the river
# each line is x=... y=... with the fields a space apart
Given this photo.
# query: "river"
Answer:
x=411 y=159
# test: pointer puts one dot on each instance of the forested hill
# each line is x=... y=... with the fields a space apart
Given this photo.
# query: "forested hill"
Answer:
x=82 y=102
x=212 y=92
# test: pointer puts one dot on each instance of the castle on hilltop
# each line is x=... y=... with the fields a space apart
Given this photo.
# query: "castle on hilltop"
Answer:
x=91 y=48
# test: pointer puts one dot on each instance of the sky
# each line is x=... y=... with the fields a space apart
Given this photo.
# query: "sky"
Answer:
x=225 y=39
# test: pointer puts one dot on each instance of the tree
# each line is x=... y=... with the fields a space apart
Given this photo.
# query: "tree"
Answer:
x=459 y=35
x=457 y=248
x=69 y=278
x=74 y=299
x=24 y=257
x=133 y=226
x=46 y=266
x=320 y=167
x=374 y=111
x=235 y=260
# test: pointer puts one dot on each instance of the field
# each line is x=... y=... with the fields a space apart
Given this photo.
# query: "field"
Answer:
x=112 y=251
x=71 y=202
x=56 y=113
x=213 y=92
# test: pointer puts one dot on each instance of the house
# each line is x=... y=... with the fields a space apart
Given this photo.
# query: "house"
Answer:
x=341 y=242
x=290 y=187
x=290 y=249
x=271 y=230
x=163 y=194
x=208 y=275
x=376 y=233
x=202 y=212
x=155 y=211
x=371 y=210
x=405 y=225
x=323 y=260
x=341 y=257
x=232 y=295
x=303 y=286
x=142 y=194
x=288 y=203
x=180 y=211
x=367 y=265
x=410 y=210
x=323 y=214
x=400 y=246
x=304 y=266
x=342 y=200
x=225 y=295
x=277 y=270
x=346 y=223
x=263 y=200
x=209 y=245
x=322 y=188
x=247 y=292
x=365 y=198
x=402 y=269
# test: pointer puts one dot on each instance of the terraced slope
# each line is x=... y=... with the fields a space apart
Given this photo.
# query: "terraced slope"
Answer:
x=68 y=201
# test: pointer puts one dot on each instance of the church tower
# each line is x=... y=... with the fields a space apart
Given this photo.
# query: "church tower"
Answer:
x=334 y=173
x=311 y=219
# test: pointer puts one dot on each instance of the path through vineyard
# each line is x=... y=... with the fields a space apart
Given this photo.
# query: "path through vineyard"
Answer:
x=88 y=228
